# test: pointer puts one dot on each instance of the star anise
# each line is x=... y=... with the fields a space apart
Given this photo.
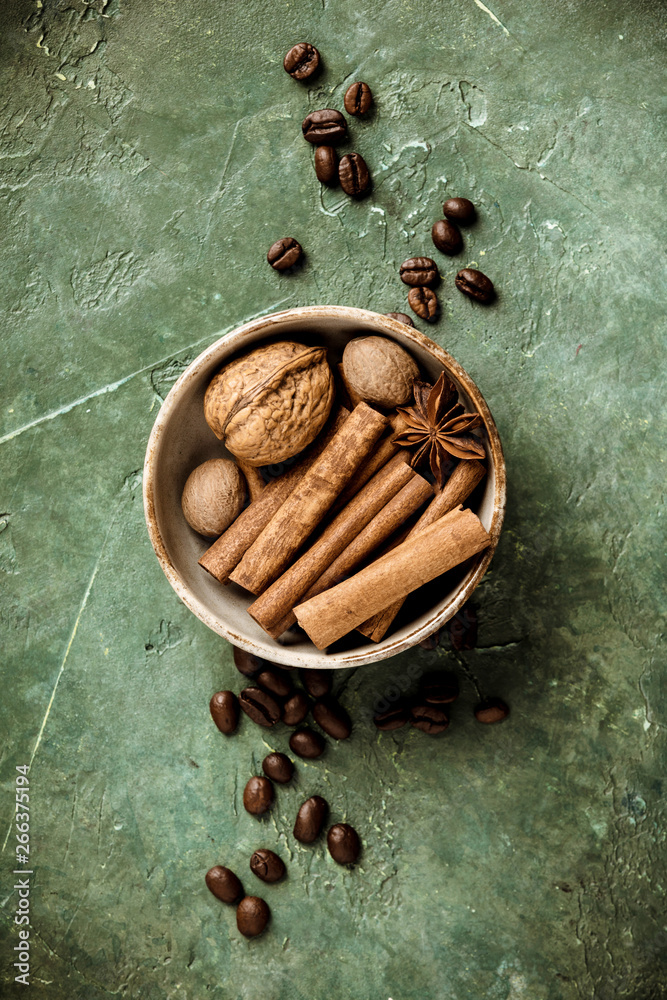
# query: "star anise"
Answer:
x=437 y=425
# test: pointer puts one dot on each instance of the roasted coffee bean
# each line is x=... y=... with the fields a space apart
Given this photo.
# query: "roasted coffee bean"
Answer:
x=295 y=709
x=326 y=164
x=332 y=718
x=459 y=210
x=278 y=767
x=394 y=718
x=491 y=710
x=431 y=641
x=418 y=271
x=310 y=819
x=259 y=706
x=258 y=796
x=317 y=682
x=307 y=743
x=247 y=663
x=401 y=317
x=284 y=253
x=475 y=285
x=224 y=884
x=463 y=629
x=252 y=916
x=267 y=865
x=302 y=61
x=325 y=127
x=429 y=718
x=446 y=237
x=225 y=711
x=423 y=302
x=343 y=843
x=353 y=175
x=275 y=682
x=358 y=99
x=440 y=689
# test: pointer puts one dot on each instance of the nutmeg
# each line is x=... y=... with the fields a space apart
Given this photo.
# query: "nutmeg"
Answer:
x=213 y=496
x=271 y=403
x=380 y=371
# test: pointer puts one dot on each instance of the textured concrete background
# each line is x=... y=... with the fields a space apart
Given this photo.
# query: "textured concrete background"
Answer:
x=151 y=152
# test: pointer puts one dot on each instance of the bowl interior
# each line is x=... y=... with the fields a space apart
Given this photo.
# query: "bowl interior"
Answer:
x=181 y=440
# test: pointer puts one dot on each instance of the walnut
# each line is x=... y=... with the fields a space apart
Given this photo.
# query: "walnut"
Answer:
x=380 y=371
x=213 y=496
x=271 y=403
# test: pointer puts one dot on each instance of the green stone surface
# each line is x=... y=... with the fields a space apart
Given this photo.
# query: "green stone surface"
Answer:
x=151 y=153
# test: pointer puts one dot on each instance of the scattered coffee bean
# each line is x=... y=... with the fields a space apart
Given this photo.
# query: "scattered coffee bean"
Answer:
x=418 y=271
x=225 y=711
x=278 y=767
x=317 y=682
x=276 y=682
x=446 y=237
x=343 y=843
x=491 y=710
x=247 y=663
x=295 y=709
x=431 y=641
x=358 y=99
x=423 y=302
x=394 y=718
x=332 y=718
x=324 y=127
x=302 y=61
x=258 y=796
x=463 y=628
x=284 y=253
x=459 y=210
x=310 y=819
x=440 y=689
x=429 y=718
x=401 y=318
x=475 y=285
x=353 y=175
x=259 y=706
x=224 y=884
x=307 y=743
x=252 y=916
x=326 y=164
x=267 y=865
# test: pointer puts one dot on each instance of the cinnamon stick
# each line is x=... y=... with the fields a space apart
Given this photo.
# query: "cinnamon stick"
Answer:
x=425 y=555
x=253 y=478
x=303 y=510
x=270 y=609
x=456 y=490
x=385 y=451
x=226 y=553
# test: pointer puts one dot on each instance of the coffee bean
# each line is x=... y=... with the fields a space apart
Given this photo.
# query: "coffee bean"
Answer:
x=225 y=711
x=252 y=916
x=302 y=61
x=224 y=884
x=459 y=210
x=358 y=99
x=267 y=865
x=418 y=271
x=324 y=127
x=463 y=628
x=258 y=796
x=259 y=706
x=394 y=718
x=475 y=285
x=423 y=302
x=295 y=709
x=440 y=689
x=247 y=663
x=310 y=819
x=284 y=253
x=401 y=318
x=491 y=710
x=332 y=718
x=343 y=843
x=317 y=682
x=446 y=237
x=279 y=767
x=431 y=641
x=326 y=164
x=429 y=718
x=353 y=175
x=275 y=682
x=307 y=743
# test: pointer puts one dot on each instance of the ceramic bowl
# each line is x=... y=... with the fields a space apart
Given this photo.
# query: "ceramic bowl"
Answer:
x=181 y=439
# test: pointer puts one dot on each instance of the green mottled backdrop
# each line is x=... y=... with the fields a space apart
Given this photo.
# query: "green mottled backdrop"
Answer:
x=150 y=153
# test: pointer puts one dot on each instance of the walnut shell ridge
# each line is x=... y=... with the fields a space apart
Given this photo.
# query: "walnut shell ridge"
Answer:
x=380 y=370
